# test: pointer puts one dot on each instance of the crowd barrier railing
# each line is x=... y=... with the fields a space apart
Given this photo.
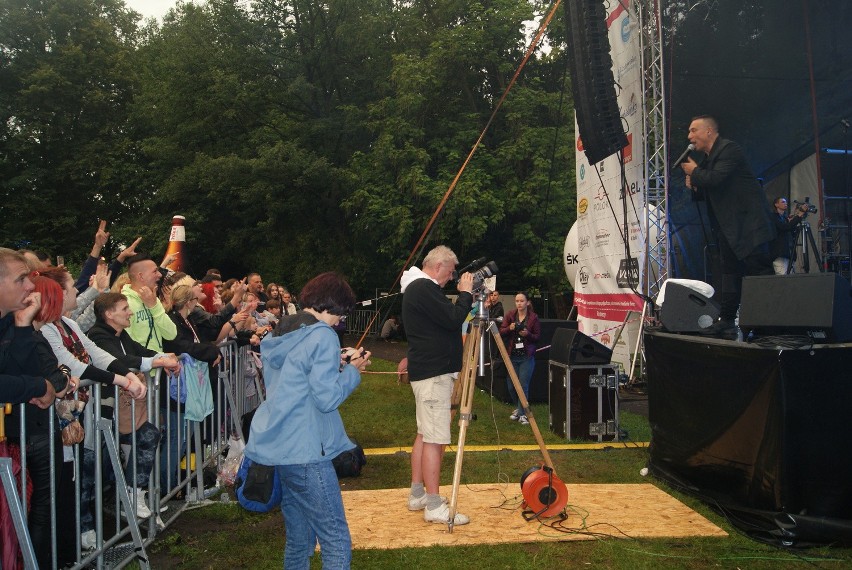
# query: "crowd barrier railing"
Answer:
x=99 y=468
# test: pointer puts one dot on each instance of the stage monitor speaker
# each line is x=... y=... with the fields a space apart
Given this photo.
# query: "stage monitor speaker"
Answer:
x=573 y=347
x=592 y=82
x=687 y=310
x=813 y=304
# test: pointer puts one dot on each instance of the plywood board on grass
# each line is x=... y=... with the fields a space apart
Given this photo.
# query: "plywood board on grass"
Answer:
x=381 y=519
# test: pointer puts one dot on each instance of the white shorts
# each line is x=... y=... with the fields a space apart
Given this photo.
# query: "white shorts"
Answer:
x=433 y=397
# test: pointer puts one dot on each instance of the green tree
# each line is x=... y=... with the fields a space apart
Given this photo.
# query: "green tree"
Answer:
x=66 y=79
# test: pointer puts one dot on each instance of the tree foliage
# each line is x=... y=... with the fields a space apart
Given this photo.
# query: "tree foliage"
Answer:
x=296 y=137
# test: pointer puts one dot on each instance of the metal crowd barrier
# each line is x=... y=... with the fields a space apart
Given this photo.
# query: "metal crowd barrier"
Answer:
x=120 y=537
x=358 y=321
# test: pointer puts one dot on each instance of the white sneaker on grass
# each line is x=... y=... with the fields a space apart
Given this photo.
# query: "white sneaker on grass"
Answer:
x=515 y=415
x=523 y=421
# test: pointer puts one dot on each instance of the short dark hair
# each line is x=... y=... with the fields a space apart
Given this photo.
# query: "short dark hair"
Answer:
x=710 y=119
x=328 y=292
x=106 y=302
x=273 y=304
x=137 y=258
x=211 y=277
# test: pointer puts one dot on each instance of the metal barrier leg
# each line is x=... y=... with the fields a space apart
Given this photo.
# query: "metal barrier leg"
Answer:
x=105 y=428
x=17 y=513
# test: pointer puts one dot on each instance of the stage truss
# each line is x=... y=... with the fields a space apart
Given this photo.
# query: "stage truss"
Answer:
x=654 y=137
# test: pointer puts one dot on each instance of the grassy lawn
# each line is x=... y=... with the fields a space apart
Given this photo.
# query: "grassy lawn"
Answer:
x=380 y=414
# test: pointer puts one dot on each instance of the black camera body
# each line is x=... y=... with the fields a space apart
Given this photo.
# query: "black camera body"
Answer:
x=806 y=206
x=480 y=273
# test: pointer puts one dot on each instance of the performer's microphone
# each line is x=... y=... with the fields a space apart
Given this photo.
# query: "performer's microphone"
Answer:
x=683 y=155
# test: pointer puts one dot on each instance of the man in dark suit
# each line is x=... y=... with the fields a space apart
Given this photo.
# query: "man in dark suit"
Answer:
x=738 y=213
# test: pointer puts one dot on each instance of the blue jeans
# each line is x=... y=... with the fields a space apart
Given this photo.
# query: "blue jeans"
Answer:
x=313 y=511
x=171 y=451
x=524 y=368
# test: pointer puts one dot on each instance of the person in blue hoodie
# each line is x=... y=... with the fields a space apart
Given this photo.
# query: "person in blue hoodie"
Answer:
x=298 y=428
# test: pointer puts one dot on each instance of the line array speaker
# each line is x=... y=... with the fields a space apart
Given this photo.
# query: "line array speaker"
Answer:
x=593 y=85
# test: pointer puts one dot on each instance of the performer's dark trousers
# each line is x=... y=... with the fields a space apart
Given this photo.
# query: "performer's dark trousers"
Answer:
x=758 y=262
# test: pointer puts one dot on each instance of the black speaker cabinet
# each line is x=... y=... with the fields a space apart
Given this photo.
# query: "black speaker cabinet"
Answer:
x=583 y=402
x=573 y=347
x=592 y=81
x=813 y=304
x=538 y=384
x=686 y=310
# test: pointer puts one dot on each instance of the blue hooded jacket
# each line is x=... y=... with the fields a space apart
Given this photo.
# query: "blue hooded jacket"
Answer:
x=299 y=422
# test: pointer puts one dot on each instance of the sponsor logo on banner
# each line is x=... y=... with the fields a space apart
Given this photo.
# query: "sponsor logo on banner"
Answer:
x=580 y=144
x=583 y=276
x=606 y=275
x=582 y=172
x=584 y=242
x=601 y=193
x=582 y=206
x=602 y=237
x=626 y=67
x=571 y=259
x=635 y=230
x=634 y=189
x=626 y=28
x=628 y=273
x=631 y=107
x=628 y=150
x=606 y=339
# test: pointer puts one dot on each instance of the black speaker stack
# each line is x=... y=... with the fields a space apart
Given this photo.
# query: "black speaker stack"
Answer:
x=592 y=82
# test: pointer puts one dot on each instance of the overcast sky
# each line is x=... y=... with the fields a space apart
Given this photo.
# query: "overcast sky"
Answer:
x=151 y=8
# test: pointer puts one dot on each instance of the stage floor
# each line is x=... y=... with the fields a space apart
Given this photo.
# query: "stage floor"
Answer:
x=381 y=519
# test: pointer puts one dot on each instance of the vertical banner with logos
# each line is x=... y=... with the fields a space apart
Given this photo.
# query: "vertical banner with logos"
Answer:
x=605 y=274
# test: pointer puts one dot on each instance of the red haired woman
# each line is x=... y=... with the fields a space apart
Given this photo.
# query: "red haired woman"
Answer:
x=87 y=361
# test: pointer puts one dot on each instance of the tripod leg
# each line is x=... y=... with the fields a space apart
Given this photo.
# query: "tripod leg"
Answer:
x=818 y=257
x=465 y=388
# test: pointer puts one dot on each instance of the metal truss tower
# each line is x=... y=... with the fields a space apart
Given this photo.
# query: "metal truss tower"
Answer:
x=656 y=161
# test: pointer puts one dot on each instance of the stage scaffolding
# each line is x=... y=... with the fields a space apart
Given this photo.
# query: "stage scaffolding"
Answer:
x=654 y=138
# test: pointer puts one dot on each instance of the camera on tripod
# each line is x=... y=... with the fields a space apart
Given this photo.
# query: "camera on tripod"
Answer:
x=806 y=206
x=480 y=274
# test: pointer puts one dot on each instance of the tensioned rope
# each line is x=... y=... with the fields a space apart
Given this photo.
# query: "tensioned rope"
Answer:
x=428 y=229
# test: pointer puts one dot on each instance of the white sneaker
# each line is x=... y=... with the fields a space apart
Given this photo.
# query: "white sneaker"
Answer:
x=159 y=522
x=142 y=510
x=418 y=503
x=523 y=420
x=515 y=415
x=88 y=540
x=442 y=515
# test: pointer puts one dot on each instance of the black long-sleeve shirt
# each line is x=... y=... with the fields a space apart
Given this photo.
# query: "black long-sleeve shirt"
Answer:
x=433 y=327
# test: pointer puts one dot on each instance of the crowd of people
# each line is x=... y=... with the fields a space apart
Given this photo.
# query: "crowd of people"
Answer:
x=115 y=325
x=119 y=323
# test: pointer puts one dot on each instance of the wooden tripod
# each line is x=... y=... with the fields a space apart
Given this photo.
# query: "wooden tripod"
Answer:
x=463 y=394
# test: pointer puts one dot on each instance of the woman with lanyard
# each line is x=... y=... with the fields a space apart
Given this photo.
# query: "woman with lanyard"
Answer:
x=520 y=330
